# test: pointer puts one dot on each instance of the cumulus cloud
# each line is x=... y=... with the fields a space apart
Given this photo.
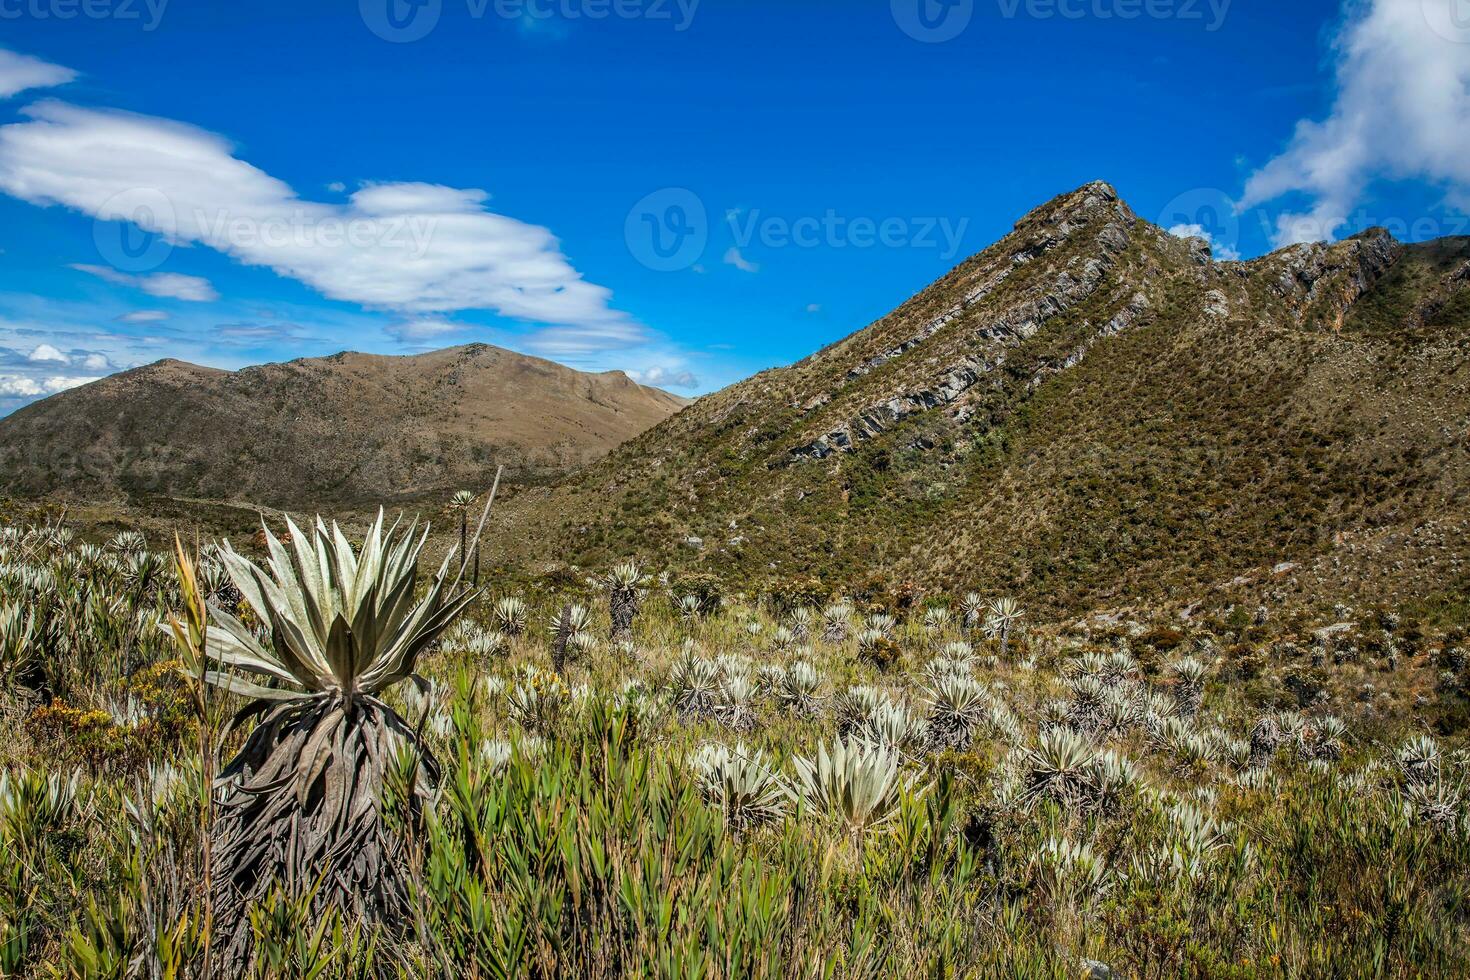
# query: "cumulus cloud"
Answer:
x=1223 y=251
x=20 y=386
x=1402 y=111
x=19 y=72
x=50 y=354
x=46 y=352
x=733 y=257
x=410 y=248
x=165 y=285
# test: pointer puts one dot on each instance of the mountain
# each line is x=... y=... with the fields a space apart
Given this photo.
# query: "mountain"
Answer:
x=339 y=430
x=1089 y=411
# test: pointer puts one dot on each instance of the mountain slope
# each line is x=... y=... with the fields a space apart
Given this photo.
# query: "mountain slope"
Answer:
x=343 y=429
x=1089 y=410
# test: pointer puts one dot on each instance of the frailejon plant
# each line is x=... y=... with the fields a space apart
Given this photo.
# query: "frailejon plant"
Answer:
x=511 y=615
x=623 y=599
x=957 y=707
x=857 y=784
x=1189 y=689
x=1001 y=620
x=1061 y=768
x=836 y=620
x=302 y=805
x=695 y=684
x=740 y=784
x=798 y=690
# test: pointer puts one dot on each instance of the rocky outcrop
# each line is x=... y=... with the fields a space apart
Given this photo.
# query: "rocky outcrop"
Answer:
x=987 y=346
x=1321 y=282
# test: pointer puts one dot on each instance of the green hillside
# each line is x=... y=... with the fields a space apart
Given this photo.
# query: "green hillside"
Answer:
x=1089 y=412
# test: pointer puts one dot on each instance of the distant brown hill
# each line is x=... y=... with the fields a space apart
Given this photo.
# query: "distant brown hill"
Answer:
x=339 y=430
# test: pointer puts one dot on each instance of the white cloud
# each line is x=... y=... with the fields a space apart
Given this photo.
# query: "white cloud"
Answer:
x=424 y=328
x=172 y=285
x=45 y=352
x=336 y=187
x=88 y=360
x=814 y=307
x=1402 y=111
x=411 y=248
x=1222 y=251
x=143 y=316
x=19 y=386
x=733 y=257
x=165 y=285
x=19 y=72
x=665 y=377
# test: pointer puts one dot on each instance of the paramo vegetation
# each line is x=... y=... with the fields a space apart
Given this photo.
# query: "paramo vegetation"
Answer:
x=325 y=755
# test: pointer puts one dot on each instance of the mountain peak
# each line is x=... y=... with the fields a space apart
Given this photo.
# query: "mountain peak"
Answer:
x=1090 y=405
x=317 y=431
x=1085 y=201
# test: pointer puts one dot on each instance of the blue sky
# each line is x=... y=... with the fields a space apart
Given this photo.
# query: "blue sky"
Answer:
x=688 y=191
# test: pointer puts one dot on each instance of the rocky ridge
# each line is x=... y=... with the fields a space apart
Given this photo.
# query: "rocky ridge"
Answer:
x=1091 y=406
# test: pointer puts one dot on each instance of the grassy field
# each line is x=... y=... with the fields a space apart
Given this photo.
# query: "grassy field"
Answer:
x=623 y=774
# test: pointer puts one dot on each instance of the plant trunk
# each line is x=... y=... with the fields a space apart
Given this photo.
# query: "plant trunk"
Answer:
x=334 y=843
x=559 y=644
x=623 y=609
